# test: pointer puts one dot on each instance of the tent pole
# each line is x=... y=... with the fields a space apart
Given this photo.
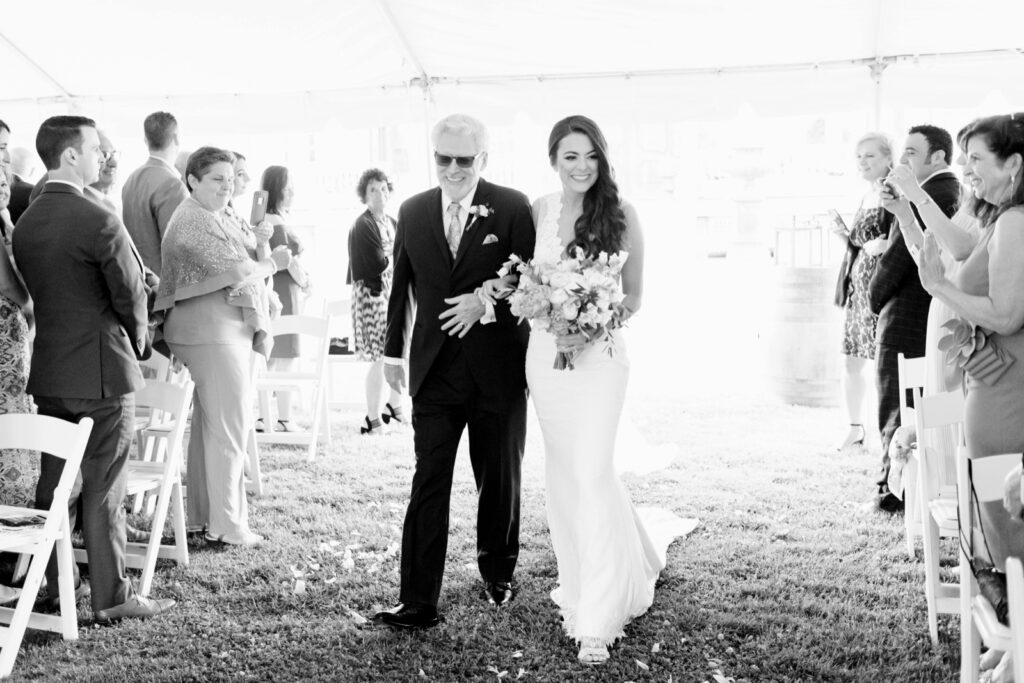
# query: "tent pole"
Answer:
x=64 y=94
x=877 y=68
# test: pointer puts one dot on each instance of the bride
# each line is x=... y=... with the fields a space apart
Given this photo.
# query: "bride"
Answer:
x=609 y=556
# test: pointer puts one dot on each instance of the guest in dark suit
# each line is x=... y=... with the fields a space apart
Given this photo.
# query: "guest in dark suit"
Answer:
x=154 y=190
x=450 y=242
x=896 y=294
x=90 y=305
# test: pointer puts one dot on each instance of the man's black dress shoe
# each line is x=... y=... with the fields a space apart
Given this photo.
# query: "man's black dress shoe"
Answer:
x=499 y=593
x=408 y=616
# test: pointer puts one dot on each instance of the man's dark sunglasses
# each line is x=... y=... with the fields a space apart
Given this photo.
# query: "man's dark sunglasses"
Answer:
x=444 y=160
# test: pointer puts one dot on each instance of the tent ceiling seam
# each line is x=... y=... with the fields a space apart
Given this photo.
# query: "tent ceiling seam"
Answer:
x=422 y=79
x=65 y=96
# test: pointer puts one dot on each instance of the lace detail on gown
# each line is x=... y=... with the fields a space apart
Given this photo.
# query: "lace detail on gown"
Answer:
x=609 y=553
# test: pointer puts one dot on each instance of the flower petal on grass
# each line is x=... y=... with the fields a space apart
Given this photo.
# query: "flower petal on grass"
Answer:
x=642 y=665
x=300 y=587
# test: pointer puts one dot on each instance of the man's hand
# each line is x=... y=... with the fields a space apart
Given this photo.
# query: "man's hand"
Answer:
x=394 y=375
x=905 y=180
x=466 y=310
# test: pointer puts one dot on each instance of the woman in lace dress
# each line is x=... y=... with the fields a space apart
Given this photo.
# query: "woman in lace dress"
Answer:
x=609 y=556
x=866 y=241
x=18 y=469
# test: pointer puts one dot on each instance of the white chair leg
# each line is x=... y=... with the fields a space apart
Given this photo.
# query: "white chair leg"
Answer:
x=21 y=567
x=66 y=586
x=255 y=485
x=911 y=517
x=180 y=532
x=970 y=639
x=931 y=571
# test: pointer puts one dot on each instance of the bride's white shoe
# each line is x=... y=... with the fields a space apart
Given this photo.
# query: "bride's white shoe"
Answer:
x=592 y=651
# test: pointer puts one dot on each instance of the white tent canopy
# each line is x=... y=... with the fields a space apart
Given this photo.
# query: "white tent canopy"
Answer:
x=359 y=51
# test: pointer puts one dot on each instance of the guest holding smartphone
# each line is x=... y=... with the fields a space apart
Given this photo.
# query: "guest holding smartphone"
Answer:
x=865 y=242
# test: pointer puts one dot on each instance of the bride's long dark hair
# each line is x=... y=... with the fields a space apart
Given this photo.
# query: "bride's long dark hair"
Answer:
x=602 y=226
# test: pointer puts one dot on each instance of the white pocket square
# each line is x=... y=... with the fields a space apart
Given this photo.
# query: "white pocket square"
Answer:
x=491 y=239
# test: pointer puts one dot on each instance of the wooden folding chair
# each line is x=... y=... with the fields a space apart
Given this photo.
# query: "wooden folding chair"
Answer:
x=64 y=440
x=978 y=622
x=315 y=329
x=938 y=506
x=911 y=376
x=160 y=478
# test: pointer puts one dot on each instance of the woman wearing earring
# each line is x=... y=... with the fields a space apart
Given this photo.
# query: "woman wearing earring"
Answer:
x=370 y=243
x=987 y=295
x=866 y=241
x=609 y=554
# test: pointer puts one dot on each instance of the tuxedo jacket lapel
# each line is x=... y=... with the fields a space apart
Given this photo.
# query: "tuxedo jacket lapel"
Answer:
x=471 y=234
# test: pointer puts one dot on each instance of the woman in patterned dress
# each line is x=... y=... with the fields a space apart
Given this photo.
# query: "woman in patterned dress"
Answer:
x=18 y=469
x=370 y=243
x=866 y=241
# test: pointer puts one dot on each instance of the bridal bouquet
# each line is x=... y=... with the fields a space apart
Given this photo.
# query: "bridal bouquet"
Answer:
x=577 y=295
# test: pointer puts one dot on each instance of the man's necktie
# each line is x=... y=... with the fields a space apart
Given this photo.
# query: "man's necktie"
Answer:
x=454 y=228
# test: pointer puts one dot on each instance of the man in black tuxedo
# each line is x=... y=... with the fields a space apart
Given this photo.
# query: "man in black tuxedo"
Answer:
x=896 y=294
x=86 y=282
x=466 y=365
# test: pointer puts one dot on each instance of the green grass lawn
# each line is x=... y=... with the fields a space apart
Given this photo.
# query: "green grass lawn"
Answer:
x=789 y=577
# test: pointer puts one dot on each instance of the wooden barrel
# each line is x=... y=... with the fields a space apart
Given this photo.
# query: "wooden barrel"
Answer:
x=803 y=329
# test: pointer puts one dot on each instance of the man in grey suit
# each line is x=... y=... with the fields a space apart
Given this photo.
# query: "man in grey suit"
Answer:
x=90 y=305
x=154 y=190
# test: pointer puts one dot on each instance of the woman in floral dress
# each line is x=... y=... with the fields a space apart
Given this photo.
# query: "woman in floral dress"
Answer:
x=867 y=239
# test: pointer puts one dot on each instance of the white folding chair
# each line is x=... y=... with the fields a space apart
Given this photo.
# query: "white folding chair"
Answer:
x=160 y=479
x=978 y=622
x=64 y=440
x=938 y=507
x=1015 y=600
x=339 y=315
x=315 y=330
x=911 y=376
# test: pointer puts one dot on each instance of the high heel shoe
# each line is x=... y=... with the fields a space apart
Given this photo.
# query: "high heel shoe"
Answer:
x=392 y=414
x=855 y=437
x=372 y=428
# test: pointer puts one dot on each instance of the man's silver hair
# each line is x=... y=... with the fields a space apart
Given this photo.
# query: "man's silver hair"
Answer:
x=461 y=124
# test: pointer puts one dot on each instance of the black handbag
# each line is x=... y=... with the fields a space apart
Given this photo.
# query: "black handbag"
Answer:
x=842 y=295
x=991 y=581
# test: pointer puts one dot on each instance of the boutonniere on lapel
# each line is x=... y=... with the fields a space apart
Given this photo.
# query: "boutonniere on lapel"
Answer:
x=479 y=211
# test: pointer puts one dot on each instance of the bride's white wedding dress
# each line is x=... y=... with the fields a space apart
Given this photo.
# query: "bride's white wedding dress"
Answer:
x=609 y=554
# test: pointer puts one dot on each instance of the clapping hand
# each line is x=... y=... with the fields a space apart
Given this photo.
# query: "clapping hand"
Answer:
x=281 y=257
x=930 y=268
x=904 y=179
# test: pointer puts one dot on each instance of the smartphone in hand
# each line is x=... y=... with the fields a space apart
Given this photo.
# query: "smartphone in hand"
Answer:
x=259 y=207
